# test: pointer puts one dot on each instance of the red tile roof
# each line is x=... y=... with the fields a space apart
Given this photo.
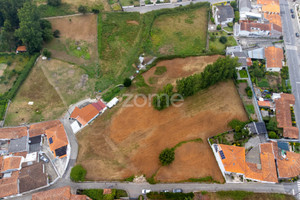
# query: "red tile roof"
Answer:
x=12 y=133
x=63 y=193
x=249 y=26
x=290 y=166
x=99 y=105
x=40 y=128
x=283 y=115
x=21 y=48
x=11 y=163
x=59 y=138
x=249 y=62
x=9 y=186
x=264 y=104
x=234 y=160
x=85 y=114
x=274 y=57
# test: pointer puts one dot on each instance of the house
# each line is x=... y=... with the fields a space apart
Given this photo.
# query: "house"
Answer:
x=84 y=115
x=257 y=128
x=258 y=54
x=9 y=184
x=244 y=6
x=246 y=10
x=12 y=133
x=11 y=163
x=35 y=143
x=269 y=6
x=274 y=19
x=39 y=129
x=21 y=49
x=237 y=51
x=31 y=177
x=255 y=29
x=100 y=106
x=58 y=141
x=284 y=115
x=232 y=162
x=58 y=193
x=264 y=104
x=223 y=15
x=274 y=58
x=112 y=103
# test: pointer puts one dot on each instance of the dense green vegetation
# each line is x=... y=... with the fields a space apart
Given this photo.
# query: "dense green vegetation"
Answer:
x=167 y=156
x=97 y=194
x=78 y=173
x=169 y=195
x=235 y=195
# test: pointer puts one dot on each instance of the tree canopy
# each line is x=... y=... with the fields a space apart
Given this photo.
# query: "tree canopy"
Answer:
x=167 y=156
x=78 y=173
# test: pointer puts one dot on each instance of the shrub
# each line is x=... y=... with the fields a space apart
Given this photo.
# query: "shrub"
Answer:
x=167 y=156
x=54 y=2
x=82 y=9
x=213 y=38
x=78 y=173
x=219 y=27
x=272 y=135
x=236 y=124
x=95 y=11
x=230 y=24
x=56 y=33
x=47 y=53
x=127 y=82
x=212 y=20
x=160 y=70
x=223 y=39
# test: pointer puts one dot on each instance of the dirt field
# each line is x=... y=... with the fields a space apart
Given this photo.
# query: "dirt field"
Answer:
x=47 y=103
x=130 y=141
x=76 y=29
x=178 y=68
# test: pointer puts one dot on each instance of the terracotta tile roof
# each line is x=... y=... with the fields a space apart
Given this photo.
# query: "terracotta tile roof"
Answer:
x=9 y=186
x=290 y=166
x=107 y=191
x=1 y=163
x=264 y=104
x=249 y=62
x=266 y=148
x=11 y=163
x=40 y=128
x=268 y=167
x=250 y=26
x=253 y=172
x=12 y=133
x=273 y=18
x=234 y=160
x=24 y=154
x=85 y=114
x=266 y=2
x=58 y=137
x=99 y=105
x=271 y=8
x=31 y=177
x=21 y=48
x=283 y=115
x=63 y=193
x=274 y=57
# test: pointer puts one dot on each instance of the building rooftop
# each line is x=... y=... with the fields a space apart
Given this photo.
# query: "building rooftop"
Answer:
x=63 y=193
x=233 y=159
x=225 y=12
x=9 y=185
x=274 y=57
x=12 y=133
x=257 y=53
x=257 y=128
x=273 y=18
x=11 y=163
x=18 y=145
x=57 y=140
x=264 y=104
x=21 y=48
x=31 y=177
x=40 y=128
x=290 y=166
x=85 y=114
x=99 y=105
x=271 y=7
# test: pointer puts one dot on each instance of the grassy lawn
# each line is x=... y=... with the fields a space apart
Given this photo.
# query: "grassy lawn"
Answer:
x=216 y=46
x=243 y=73
x=263 y=83
x=229 y=29
x=47 y=103
x=250 y=109
x=130 y=2
x=50 y=11
x=119 y=46
x=180 y=33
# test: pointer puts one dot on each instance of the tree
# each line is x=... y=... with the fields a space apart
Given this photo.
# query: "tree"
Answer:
x=230 y=24
x=30 y=31
x=78 y=173
x=54 y=2
x=236 y=16
x=236 y=124
x=167 y=156
x=272 y=124
x=163 y=99
x=47 y=53
x=213 y=38
x=127 y=82
x=46 y=30
x=56 y=33
x=273 y=135
x=82 y=9
x=212 y=20
x=219 y=27
x=223 y=39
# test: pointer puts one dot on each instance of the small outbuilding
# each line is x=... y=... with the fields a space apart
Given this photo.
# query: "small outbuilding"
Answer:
x=21 y=49
x=112 y=103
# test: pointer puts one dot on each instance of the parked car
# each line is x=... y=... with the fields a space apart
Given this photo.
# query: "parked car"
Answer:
x=165 y=191
x=293 y=16
x=297 y=34
x=292 y=11
x=144 y=191
x=43 y=158
x=178 y=190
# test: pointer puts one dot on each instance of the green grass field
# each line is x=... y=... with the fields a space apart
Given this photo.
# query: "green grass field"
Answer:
x=50 y=11
x=130 y=2
x=119 y=47
x=180 y=33
x=217 y=46
x=243 y=74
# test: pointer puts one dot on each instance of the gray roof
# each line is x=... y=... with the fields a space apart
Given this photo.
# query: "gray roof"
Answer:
x=257 y=53
x=240 y=54
x=244 y=5
x=18 y=145
x=230 y=50
x=257 y=128
x=225 y=12
x=243 y=62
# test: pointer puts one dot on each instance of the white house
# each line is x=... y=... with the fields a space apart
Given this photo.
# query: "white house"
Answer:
x=223 y=14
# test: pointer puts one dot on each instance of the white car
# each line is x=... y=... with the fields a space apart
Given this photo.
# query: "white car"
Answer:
x=144 y=191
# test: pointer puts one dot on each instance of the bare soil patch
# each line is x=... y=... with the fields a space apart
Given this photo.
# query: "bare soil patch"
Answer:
x=2 y=68
x=133 y=22
x=179 y=68
x=130 y=141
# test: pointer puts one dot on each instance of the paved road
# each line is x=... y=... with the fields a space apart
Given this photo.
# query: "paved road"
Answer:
x=291 y=46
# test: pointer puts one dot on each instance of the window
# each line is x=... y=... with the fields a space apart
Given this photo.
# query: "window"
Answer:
x=50 y=140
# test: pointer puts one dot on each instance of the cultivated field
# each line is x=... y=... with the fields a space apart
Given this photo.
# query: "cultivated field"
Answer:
x=182 y=33
x=47 y=103
x=177 y=68
x=78 y=39
x=128 y=140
